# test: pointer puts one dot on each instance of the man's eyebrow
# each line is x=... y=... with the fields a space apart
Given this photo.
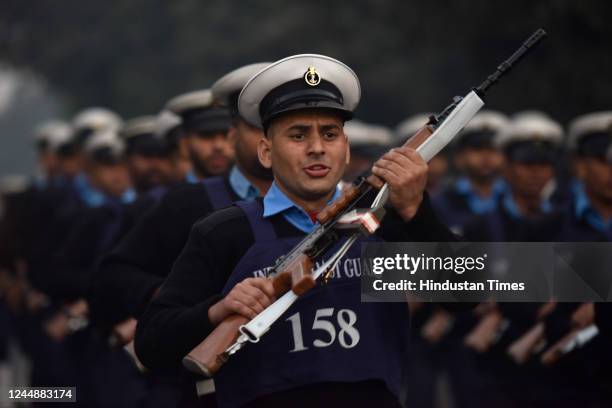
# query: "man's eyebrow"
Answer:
x=331 y=126
x=301 y=128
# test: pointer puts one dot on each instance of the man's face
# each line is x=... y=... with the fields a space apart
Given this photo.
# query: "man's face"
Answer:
x=48 y=163
x=210 y=153
x=112 y=179
x=245 y=139
x=148 y=171
x=528 y=180
x=71 y=165
x=482 y=165
x=307 y=151
x=596 y=173
x=436 y=169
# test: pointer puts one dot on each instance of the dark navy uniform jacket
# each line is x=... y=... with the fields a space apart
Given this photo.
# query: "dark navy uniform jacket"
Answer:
x=127 y=277
x=459 y=204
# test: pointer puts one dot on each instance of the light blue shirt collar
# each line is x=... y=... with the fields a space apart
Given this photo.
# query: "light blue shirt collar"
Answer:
x=191 y=178
x=94 y=198
x=276 y=202
x=513 y=209
x=479 y=205
x=91 y=196
x=241 y=185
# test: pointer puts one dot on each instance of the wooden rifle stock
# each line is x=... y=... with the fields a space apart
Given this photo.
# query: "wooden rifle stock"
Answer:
x=208 y=356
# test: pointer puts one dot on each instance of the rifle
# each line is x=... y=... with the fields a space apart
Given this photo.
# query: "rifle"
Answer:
x=533 y=340
x=583 y=331
x=293 y=273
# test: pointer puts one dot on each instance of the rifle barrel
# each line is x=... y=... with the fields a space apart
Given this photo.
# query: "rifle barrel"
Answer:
x=508 y=64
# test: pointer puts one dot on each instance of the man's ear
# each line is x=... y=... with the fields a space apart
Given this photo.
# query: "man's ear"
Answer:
x=232 y=136
x=264 y=152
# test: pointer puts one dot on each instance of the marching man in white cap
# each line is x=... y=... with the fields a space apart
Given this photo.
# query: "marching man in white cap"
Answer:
x=530 y=146
x=330 y=349
x=479 y=187
x=204 y=141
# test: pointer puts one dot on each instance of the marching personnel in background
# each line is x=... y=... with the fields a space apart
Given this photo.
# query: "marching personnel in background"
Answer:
x=169 y=130
x=94 y=226
x=147 y=156
x=130 y=275
x=301 y=102
x=204 y=140
x=48 y=137
x=531 y=146
x=150 y=160
x=20 y=217
x=21 y=211
x=476 y=191
x=94 y=229
x=479 y=187
x=55 y=207
x=104 y=179
x=437 y=173
x=588 y=218
x=428 y=351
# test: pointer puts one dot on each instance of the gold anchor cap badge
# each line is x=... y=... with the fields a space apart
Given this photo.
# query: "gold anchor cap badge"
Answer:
x=312 y=77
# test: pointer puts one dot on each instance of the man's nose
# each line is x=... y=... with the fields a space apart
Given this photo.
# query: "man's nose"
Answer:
x=316 y=145
x=219 y=141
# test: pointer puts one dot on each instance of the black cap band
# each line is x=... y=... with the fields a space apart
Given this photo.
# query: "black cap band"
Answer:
x=594 y=144
x=146 y=144
x=531 y=152
x=297 y=94
x=207 y=120
x=476 y=139
x=106 y=156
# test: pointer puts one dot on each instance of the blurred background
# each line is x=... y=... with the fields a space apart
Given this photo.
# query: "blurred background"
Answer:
x=132 y=56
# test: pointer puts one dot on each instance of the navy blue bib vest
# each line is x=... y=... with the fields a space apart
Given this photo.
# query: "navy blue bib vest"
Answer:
x=217 y=192
x=328 y=335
